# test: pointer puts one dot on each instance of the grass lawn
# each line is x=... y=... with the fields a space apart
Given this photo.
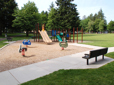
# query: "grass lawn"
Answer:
x=2 y=43
x=103 y=40
x=11 y=34
x=101 y=76
x=14 y=38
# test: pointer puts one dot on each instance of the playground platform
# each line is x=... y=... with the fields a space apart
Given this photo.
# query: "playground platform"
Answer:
x=26 y=73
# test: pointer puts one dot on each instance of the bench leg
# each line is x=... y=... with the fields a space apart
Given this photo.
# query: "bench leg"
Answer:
x=87 y=61
x=102 y=56
x=95 y=59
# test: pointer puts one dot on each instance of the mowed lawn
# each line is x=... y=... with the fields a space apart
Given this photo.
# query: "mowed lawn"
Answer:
x=103 y=40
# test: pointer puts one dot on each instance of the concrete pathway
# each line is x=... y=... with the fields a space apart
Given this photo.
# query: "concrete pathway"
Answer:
x=26 y=73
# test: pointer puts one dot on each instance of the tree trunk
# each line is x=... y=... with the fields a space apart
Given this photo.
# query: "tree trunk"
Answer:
x=0 y=31
x=27 y=33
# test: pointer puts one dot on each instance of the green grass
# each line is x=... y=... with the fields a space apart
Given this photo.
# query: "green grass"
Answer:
x=2 y=43
x=11 y=34
x=103 y=40
x=14 y=38
x=111 y=54
x=101 y=76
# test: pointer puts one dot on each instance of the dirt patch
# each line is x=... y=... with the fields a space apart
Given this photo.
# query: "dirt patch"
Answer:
x=10 y=57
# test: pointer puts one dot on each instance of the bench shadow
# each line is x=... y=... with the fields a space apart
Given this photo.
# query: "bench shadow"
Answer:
x=100 y=62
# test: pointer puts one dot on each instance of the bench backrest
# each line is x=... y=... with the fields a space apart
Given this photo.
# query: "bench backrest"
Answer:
x=9 y=38
x=95 y=53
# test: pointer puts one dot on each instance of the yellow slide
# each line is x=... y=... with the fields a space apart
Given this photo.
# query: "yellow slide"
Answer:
x=45 y=36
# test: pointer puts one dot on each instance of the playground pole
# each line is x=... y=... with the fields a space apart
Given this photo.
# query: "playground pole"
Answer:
x=63 y=34
x=69 y=34
x=77 y=34
x=51 y=33
x=82 y=35
x=59 y=31
x=38 y=32
x=34 y=33
x=56 y=34
x=41 y=29
x=73 y=34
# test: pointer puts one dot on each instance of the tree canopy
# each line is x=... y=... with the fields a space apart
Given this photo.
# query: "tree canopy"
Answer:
x=26 y=17
x=96 y=22
x=110 y=26
x=6 y=10
x=67 y=14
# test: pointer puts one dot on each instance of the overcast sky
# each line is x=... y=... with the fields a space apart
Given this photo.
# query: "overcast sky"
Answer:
x=84 y=7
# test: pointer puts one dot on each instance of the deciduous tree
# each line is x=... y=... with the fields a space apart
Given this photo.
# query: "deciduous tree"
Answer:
x=26 y=17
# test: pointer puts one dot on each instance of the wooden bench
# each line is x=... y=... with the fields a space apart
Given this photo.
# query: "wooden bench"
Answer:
x=9 y=39
x=95 y=53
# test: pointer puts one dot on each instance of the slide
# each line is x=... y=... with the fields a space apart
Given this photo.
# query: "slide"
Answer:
x=45 y=36
x=59 y=38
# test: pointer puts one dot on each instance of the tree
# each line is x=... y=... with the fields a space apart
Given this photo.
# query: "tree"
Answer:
x=110 y=26
x=6 y=10
x=51 y=6
x=51 y=19
x=84 y=24
x=84 y=17
x=95 y=16
x=101 y=25
x=101 y=15
x=90 y=26
x=67 y=14
x=44 y=17
x=26 y=17
x=96 y=24
x=91 y=17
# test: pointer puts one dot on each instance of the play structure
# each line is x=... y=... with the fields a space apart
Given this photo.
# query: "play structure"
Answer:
x=25 y=42
x=43 y=35
x=22 y=50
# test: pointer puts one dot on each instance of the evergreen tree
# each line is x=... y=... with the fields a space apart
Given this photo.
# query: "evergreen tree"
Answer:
x=101 y=15
x=67 y=14
x=6 y=10
x=91 y=17
x=52 y=22
x=51 y=6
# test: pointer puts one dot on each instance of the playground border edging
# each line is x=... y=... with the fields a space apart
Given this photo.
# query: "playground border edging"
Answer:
x=7 y=45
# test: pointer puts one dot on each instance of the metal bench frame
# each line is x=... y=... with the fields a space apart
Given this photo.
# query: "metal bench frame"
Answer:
x=95 y=53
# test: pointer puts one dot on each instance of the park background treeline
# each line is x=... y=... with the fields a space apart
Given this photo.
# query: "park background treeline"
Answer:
x=64 y=16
